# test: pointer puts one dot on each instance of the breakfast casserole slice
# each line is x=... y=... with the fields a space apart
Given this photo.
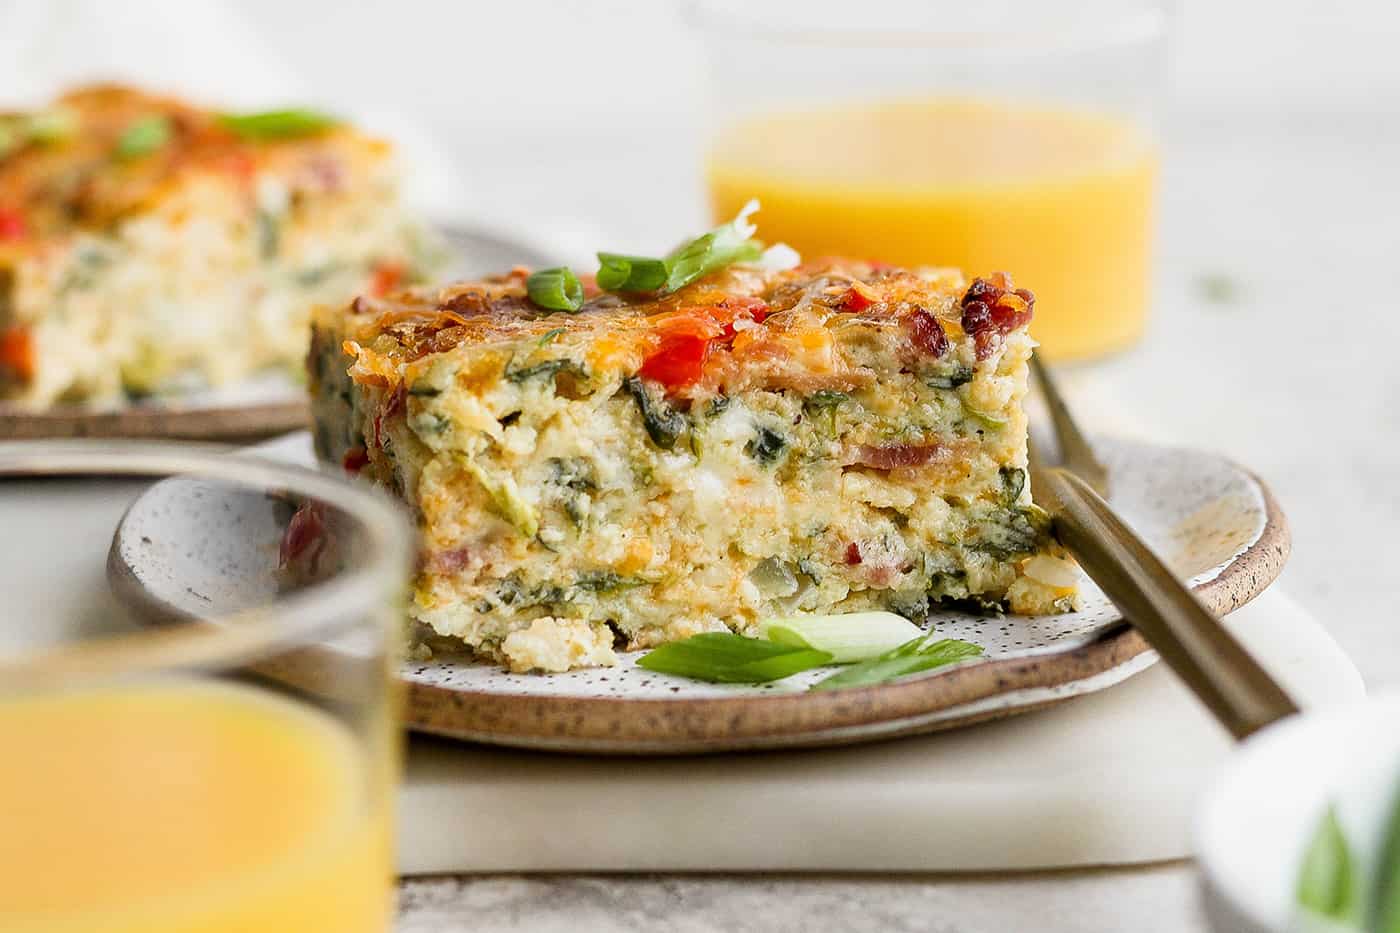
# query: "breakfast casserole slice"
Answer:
x=835 y=437
x=147 y=245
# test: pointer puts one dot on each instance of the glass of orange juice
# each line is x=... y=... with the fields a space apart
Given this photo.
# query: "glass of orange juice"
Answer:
x=1016 y=136
x=218 y=772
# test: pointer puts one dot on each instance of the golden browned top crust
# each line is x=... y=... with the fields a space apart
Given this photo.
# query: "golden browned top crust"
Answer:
x=66 y=167
x=815 y=326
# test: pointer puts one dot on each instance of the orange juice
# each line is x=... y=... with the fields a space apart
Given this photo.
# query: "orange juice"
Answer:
x=185 y=806
x=1061 y=200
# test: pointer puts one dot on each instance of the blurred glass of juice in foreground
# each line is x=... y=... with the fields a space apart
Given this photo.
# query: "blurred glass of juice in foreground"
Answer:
x=1007 y=136
x=224 y=776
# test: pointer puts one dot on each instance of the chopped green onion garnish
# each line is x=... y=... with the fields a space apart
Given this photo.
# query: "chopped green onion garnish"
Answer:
x=42 y=127
x=50 y=126
x=556 y=289
x=854 y=636
x=548 y=337
x=618 y=273
x=1325 y=885
x=143 y=137
x=722 y=657
x=278 y=124
x=910 y=658
x=723 y=246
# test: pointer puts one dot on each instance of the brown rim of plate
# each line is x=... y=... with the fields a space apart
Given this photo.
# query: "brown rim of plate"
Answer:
x=182 y=422
x=621 y=726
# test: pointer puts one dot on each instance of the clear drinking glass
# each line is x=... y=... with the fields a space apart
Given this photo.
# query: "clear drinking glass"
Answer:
x=1016 y=136
x=224 y=769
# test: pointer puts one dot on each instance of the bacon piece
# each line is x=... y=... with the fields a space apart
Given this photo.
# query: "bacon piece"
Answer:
x=305 y=538
x=355 y=459
x=449 y=561
x=925 y=333
x=894 y=456
x=856 y=299
x=992 y=309
x=393 y=403
x=468 y=303
x=853 y=555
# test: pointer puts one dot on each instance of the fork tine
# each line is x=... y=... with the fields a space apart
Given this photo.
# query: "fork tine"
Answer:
x=1076 y=453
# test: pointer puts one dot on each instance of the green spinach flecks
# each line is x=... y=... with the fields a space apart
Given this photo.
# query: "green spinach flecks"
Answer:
x=767 y=446
x=546 y=369
x=1013 y=483
x=957 y=376
x=664 y=425
x=605 y=581
x=825 y=399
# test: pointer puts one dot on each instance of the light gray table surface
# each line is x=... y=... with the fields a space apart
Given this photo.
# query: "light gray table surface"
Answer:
x=1294 y=374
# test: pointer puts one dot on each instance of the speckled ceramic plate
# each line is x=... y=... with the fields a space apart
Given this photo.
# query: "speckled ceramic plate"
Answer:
x=259 y=407
x=187 y=549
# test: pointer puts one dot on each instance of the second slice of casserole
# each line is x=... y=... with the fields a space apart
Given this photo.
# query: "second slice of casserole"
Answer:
x=151 y=246
x=836 y=437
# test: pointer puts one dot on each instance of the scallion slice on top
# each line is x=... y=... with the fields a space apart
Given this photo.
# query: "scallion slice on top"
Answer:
x=723 y=246
x=50 y=126
x=278 y=124
x=143 y=137
x=619 y=273
x=556 y=289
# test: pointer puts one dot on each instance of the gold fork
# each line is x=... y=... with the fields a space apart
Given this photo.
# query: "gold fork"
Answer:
x=1217 y=668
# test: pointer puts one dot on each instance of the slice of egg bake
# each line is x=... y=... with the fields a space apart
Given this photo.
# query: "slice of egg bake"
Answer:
x=698 y=448
x=149 y=246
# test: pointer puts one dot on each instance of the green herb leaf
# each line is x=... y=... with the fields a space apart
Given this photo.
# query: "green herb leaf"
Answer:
x=847 y=637
x=556 y=289
x=143 y=137
x=725 y=245
x=723 y=657
x=1325 y=881
x=909 y=658
x=278 y=124
x=619 y=273
x=1385 y=887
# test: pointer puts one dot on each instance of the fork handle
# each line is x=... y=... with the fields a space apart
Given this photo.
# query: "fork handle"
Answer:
x=1217 y=668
